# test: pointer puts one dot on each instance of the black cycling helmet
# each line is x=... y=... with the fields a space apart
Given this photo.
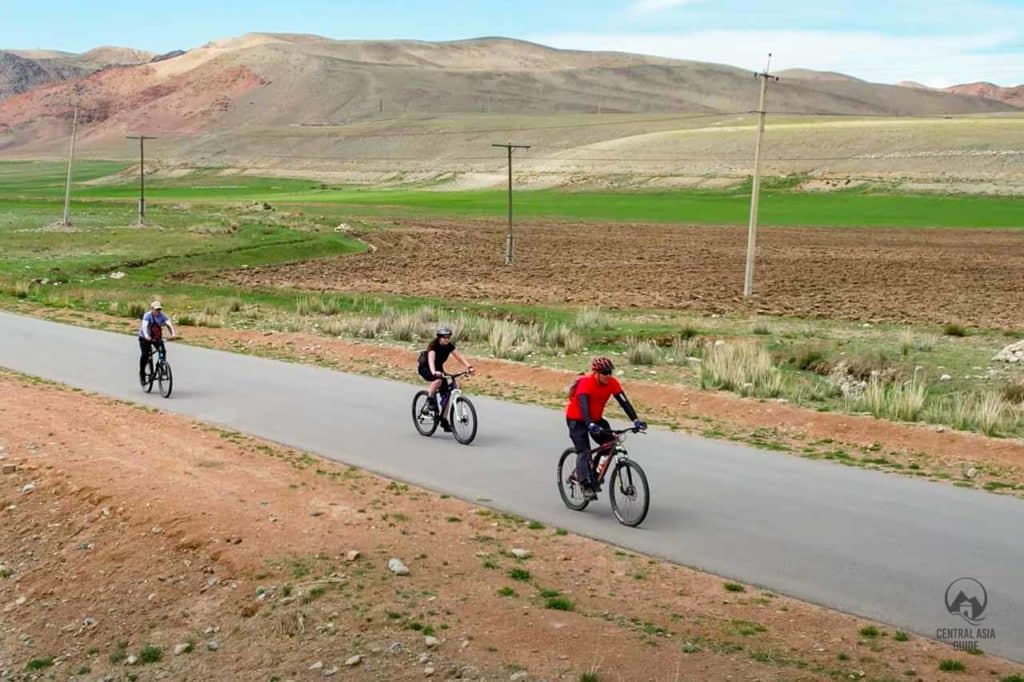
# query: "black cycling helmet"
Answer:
x=444 y=331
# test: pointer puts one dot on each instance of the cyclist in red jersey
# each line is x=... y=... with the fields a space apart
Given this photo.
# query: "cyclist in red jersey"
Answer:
x=584 y=416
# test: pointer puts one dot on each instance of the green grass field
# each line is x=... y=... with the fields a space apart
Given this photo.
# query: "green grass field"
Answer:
x=35 y=181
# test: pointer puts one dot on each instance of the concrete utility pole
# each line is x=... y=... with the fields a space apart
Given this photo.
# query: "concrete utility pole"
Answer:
x=755 y=194
x=66 y=221
x=509 y=241
x=142 y=173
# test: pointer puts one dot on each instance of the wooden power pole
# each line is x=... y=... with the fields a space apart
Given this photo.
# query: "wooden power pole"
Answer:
x=66 y=220
x=755 y=193
x=510 y=241
x=142 y=173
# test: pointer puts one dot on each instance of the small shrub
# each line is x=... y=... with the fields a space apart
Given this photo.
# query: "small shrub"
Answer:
x=1014 y=393
x=743 y=368
x=952 y=666
x=315 y=305
x=510 y=340
x=761 y=329
x=519 y=574
x=563 y=337
x=186 y=320
x=642 y=352
x=589 y=676
x=507 y=592
x=592 y=318
x=134 y=311
x=901 y=401
x=901 y=636
x=734 y=587
x=869 y=631
x=39 y=663
x=559 y=604
x=954 y=329
x=205 y=319
x=150 y=654
x=988 y=412
x=23 y=289
x=810 y=359
x=870 y=365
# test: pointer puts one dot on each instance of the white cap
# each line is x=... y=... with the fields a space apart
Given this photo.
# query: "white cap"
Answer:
x=156 y=305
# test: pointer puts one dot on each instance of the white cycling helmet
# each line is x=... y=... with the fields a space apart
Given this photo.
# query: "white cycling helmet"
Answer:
x=155 y=305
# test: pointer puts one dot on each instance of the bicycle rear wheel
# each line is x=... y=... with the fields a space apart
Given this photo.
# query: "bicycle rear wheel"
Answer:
x=423 y=418
x=165 y=379
x=630 y=495
x=463 y=416
x=568 y=487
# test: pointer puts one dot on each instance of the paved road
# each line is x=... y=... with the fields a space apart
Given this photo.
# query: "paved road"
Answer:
x=876 y=545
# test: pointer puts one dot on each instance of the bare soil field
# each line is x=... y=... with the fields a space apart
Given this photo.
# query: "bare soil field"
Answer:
x=195 y=553
x=897 y=275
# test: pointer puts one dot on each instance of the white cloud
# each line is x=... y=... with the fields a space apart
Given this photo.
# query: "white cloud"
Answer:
x=638 y=7
x=937 y=61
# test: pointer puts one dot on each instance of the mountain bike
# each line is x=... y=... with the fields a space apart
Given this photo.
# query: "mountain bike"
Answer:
x=629 y=492
x=455 y=409
x=158 y=372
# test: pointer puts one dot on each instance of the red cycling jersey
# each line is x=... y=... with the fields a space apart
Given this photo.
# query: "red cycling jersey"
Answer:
x=597 y=395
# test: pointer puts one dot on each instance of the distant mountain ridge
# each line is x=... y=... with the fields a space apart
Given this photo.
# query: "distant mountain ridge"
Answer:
x=1010 y=95
x=23 y=70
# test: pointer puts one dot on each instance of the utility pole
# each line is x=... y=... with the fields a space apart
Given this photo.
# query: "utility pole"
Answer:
x=67 y=187
x=755 y=194
x=509 y=241
x=142 y=173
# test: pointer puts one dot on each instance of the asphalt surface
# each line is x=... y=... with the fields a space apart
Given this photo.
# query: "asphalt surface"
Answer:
x=876 y=545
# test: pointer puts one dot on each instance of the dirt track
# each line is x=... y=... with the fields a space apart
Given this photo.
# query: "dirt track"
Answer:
x=916 y=276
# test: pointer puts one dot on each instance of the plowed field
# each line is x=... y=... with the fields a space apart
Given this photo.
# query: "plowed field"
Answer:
x=899 y=275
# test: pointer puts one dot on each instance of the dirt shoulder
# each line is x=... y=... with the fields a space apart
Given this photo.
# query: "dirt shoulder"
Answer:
x=125 y=528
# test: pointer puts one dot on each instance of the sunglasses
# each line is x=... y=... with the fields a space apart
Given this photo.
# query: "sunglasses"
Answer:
x=605 y=372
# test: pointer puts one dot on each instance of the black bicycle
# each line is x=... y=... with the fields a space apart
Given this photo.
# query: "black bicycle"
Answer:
x=629 y=492
x=456 y=409
x=158 y=372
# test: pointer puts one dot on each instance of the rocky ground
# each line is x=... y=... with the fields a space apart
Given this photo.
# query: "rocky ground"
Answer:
x=141 y=545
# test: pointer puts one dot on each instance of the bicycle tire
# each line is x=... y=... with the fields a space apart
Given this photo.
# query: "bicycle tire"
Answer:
x=620 y=490
x=463 y=435
x=150 y=377
x=165 y=379
x=419 y=415
x=573 y=497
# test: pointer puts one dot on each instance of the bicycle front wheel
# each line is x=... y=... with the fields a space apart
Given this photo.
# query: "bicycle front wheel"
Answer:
x=463 y=420
x=423 y=418
x=568 y=487
x=165 y=379
x=630 y=494
x=150 y=378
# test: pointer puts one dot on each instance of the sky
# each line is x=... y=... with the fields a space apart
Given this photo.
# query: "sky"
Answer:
x=932 y=42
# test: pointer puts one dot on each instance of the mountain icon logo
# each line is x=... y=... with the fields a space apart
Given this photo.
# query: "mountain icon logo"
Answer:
x=967 y=598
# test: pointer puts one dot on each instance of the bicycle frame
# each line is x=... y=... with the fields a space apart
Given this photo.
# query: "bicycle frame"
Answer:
x=613 y=449
x=453 y=392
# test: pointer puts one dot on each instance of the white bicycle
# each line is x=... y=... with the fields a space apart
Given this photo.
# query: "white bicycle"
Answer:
x=456 y=411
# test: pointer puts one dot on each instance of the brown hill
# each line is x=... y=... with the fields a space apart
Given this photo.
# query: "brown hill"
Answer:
x=23 y=70
x=275 y=80
x=1011 y=95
